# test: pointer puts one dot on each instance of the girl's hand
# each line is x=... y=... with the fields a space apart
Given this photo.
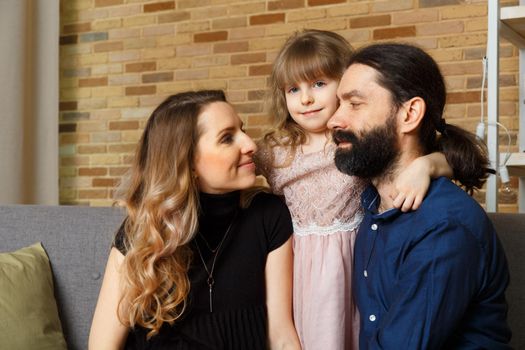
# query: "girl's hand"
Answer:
x=412 y=184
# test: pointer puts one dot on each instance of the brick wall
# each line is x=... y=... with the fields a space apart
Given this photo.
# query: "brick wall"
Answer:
x=120 y=58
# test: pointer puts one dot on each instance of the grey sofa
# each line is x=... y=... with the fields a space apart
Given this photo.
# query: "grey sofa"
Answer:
x=78 y=239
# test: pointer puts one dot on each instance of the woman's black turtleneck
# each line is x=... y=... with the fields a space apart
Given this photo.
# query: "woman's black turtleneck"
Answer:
x=238 y=320
x=216 y=213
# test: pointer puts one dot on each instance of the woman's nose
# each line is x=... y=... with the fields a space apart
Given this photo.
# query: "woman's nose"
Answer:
x=248 y=145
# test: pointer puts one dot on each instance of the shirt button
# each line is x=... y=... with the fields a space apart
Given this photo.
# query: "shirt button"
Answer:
x=374 y=227
x=372 y=318
x=365 y=273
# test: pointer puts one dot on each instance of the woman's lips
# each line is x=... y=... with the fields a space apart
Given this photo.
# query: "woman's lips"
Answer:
x=247 y=164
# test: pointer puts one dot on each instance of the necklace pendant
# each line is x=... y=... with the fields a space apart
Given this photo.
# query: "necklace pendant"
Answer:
x=211 y=298
x=211 y=282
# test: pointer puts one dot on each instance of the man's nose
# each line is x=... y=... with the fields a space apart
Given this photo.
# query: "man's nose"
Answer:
x=336 y=121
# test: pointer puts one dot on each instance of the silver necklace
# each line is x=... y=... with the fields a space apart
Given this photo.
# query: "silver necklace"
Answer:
x=207 y=244
x=210 y=281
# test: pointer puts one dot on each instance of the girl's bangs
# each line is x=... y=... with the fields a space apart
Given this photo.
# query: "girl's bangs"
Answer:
x=307 y=67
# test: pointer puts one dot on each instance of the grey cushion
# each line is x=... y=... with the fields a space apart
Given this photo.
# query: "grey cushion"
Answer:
x=511 y=231
x=77 y=241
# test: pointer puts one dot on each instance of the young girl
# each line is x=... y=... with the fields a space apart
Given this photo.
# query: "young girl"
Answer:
x=297 y=158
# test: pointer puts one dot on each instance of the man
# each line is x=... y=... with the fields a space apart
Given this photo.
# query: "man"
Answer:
x=433 y=278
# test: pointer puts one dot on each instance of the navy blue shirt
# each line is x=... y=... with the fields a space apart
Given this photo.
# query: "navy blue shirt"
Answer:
x=433 y=278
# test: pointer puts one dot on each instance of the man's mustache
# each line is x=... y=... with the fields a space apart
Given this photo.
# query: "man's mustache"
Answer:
x=344 y=136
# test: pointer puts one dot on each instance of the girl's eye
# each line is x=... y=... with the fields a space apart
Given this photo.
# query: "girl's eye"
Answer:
x=319 y=83
x=292 y=90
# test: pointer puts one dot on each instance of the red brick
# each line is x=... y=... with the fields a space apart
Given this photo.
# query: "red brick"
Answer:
x=267 y=18
x=77 y=28
x=90 y=82
x=124 y=125
x=92 y=194
x=105 y=182
x=159 y=6
x=264 y=69
x=92 y=171
x=324 y=2
x=68 y=106
x=67 y=139
x=68 y=39
x=390 y=33
x=370 y=21
x=256 y=95
x=111 y=46
x=141 y=90
x=140 y=67
x=71 y=127
x=91 y=149
x=463 y=97
x=240 y=46
x=248 y=58
x=210 y=36
x=285 y=4
x=118 y=171
x=102 y=3
x=157 y=77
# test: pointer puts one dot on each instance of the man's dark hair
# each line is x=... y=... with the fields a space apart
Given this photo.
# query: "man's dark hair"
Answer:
x=406 y=72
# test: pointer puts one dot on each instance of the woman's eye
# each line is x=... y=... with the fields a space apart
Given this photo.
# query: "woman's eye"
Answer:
x=227 y=139
x=319 y=83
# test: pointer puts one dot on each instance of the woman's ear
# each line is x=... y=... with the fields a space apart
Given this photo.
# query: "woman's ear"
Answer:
x=412 y=115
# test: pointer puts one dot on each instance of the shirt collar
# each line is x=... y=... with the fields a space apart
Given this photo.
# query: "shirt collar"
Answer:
x=370 y=200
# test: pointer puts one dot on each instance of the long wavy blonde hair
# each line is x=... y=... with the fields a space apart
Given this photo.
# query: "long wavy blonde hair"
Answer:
x=305 y=56
x=162 y=201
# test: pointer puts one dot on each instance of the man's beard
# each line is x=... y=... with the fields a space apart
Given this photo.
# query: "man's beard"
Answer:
x=372 y=155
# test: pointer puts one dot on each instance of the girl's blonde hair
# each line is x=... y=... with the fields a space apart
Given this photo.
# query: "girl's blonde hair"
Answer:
x=162 y=200
x=305 y=56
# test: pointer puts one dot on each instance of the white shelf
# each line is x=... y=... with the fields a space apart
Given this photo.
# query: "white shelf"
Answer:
x=512 y=25
x=509 y=23
x=516 y=164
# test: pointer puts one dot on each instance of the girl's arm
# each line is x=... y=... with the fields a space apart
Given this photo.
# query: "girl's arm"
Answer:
x=413 y=182
x=107 y=333
x=278 y=271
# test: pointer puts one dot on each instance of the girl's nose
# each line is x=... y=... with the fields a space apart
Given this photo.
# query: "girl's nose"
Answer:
x=307 y=98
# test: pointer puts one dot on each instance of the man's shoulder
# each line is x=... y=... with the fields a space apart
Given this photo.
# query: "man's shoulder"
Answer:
x=446 y=198
x=446 y=203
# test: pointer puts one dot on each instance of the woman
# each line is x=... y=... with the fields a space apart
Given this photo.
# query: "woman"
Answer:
x=203 y=261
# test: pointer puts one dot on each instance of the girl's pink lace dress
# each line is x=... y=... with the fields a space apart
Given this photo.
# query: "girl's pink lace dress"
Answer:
x=325 y=208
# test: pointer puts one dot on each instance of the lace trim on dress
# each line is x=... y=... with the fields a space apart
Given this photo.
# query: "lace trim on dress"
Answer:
x=337 y=226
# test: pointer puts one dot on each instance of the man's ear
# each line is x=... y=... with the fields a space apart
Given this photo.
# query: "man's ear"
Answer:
x=412 y=113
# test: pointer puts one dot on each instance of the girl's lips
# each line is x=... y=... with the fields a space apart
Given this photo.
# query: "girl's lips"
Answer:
x=312 y=111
